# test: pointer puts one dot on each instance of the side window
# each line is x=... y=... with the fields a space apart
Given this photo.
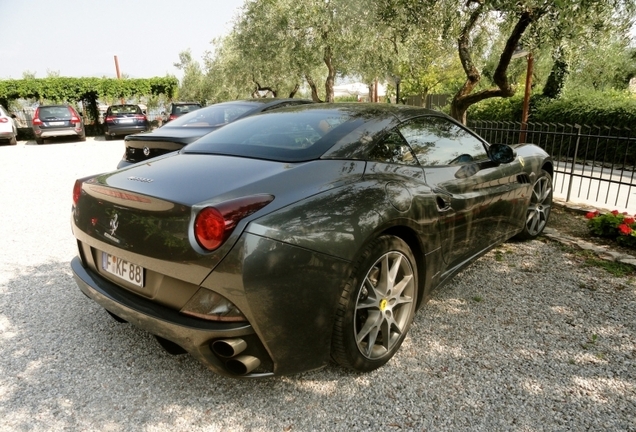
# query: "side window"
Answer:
x=437 y=141
x=393 y=149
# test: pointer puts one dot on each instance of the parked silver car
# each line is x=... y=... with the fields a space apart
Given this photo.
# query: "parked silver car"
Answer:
x=8 y=128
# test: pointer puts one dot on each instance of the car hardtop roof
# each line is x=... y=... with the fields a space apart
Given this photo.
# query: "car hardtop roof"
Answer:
x=402 y=112
x=265 y=100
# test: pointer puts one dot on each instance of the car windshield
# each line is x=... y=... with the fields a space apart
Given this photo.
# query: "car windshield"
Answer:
x=60 y=112
x=125 y=109
x=212 y=116
x=283 y=136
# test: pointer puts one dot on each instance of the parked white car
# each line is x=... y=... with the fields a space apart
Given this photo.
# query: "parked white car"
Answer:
x=8 y=127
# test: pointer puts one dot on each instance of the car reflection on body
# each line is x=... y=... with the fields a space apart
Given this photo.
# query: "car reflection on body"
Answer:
x=312 y=233
x=193 y=125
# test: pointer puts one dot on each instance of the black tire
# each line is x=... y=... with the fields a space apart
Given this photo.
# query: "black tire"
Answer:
x=376 y=309
x=82 y=138
x=39 y=141
x=538 y=212
x=108 y=137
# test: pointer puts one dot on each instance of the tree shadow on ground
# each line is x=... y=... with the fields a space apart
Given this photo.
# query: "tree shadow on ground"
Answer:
x=500 y=348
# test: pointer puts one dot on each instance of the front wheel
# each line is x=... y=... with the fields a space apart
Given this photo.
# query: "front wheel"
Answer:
x=377 y=306
x=539 y=207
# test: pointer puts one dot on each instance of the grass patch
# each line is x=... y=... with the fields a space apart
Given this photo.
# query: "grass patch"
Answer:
x=614 y=268
x=590 y=259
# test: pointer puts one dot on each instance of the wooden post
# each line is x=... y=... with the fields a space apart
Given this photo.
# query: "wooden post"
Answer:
x=526 y=100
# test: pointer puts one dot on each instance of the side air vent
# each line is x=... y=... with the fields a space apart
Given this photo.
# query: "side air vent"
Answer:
x=523 y=178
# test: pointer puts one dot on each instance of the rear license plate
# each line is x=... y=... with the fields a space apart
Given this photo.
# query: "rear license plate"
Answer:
x=56 y=123
x=123 y=269
x=125 y=121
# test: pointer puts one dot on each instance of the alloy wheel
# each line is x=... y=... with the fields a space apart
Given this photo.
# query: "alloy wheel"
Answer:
x=384 y=305
x=540 y=205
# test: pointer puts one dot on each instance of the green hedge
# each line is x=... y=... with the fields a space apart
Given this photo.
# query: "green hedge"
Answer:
x=591 y=108
x=68 y=89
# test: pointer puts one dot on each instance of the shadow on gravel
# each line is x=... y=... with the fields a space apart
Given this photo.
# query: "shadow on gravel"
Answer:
x=503 y=347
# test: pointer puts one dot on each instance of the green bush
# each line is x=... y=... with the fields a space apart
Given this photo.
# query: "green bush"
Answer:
x=610 y=108
x=618 y=226
x=498 y=109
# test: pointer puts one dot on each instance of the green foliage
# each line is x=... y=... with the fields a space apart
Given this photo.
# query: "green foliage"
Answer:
x=498 y=109
x=65 y=89
x=609 y=108
x=618 y=226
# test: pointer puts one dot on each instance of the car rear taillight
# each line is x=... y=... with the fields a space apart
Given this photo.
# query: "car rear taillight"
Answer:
x=77 y=190
x=140 y=117
x=75 y=120
x=172 y=117
x=109 y=119
x=4 y=120
x=36 y=118
x=213 y=225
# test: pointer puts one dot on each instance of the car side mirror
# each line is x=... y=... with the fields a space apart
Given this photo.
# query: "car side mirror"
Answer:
x=502 y=154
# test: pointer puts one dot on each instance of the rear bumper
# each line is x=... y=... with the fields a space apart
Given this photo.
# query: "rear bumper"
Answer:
x=50 y=133
x=125 y=129
x=193 y=335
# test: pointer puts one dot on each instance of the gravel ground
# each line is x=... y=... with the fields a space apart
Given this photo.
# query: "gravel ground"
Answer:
x=524 y=339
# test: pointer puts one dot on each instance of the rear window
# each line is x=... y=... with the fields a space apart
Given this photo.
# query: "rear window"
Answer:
x=124 y=109
x=54 y=112
x=282 y=136
x=185 y=108
x=212 y=116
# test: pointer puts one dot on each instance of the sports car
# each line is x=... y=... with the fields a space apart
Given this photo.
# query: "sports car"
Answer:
x=305 y=235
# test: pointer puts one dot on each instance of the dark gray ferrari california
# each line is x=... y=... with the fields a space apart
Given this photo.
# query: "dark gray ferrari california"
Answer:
x=307 y=234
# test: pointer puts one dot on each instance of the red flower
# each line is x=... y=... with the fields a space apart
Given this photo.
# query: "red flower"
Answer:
x=624 y=229
x=629 y=220
x=614 y=212
x=590 y=215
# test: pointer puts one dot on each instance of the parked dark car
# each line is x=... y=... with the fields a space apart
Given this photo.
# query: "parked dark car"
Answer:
x=52 y=121
x=193 y=126
x=8 y=127
x=309 y=233
x=177 y=109
x=124 y=120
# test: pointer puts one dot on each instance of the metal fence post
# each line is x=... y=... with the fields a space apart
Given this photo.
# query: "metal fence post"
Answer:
x=576 y=153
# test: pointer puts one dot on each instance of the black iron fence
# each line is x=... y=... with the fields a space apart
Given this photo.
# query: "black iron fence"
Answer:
x=593 y=164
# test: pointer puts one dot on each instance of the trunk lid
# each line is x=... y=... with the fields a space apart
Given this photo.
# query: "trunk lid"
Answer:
x=148 y=208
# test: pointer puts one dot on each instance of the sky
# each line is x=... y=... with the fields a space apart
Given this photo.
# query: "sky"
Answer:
x=80 y=38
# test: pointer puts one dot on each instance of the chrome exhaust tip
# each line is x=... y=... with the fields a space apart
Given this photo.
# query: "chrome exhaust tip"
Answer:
x=228 y=348
x=242 y=365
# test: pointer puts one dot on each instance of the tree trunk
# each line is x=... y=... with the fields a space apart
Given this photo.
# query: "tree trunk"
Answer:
x=294 y=91
x=331 y=74
x=259 y=88
x=314 y=89
x=464 y=98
